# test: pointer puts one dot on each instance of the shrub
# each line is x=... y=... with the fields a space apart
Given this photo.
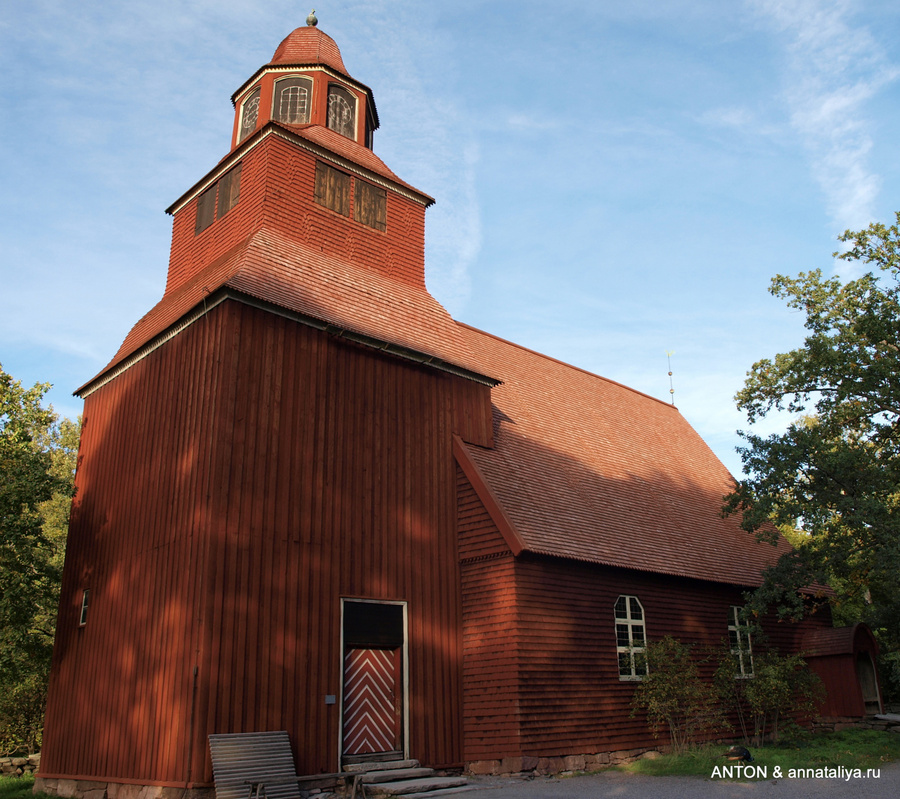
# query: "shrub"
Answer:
x=674 y=696
x=781 y=689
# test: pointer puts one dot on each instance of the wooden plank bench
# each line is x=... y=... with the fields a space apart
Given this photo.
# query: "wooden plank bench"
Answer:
x=260 y=765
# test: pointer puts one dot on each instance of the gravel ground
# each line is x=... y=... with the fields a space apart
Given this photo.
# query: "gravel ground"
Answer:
x=621 y=785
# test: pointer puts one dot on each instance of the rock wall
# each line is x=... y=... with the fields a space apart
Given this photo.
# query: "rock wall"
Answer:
x=17 y=766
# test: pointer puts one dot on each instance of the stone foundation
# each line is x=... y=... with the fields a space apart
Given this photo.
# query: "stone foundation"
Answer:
x=86 y=789
x=569 y=764
x=838 y=723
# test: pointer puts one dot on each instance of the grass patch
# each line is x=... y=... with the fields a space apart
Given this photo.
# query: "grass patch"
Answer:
x=16 y=787
x=850 y=749
x=20 y=788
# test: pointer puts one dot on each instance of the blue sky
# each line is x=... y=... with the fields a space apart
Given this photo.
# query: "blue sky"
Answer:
x=614 y=181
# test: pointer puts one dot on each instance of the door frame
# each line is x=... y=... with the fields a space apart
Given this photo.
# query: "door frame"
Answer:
x=404 y=656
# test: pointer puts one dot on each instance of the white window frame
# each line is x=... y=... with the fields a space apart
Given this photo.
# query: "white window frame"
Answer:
x=256 y=90
x=631 y=624
x=85 y=602
x=741 y=643
x=339 y=90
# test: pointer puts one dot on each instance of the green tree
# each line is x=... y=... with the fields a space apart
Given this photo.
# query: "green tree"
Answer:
x=37 y=458
x=834 y=474
x=674 y=696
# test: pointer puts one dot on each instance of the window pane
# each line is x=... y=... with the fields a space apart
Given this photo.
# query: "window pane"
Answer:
x=622 y=637
x=249 y=115
x=621 y=612
x=342 y=111
x=624 y=664
x=85 y=601
x=636 y=612
x=292 y=100
x=637 y=634
x=640 y=664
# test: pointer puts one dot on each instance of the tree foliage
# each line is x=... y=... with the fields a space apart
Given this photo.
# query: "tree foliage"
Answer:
x=674 y=696
x=834 y=474
x=37 y=464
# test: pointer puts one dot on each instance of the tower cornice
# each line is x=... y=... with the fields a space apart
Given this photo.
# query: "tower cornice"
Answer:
x=277 y=129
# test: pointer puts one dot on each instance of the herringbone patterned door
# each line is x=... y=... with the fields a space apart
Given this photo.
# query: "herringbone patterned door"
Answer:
x=371 y=701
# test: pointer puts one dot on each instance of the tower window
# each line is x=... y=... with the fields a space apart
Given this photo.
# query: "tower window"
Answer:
x=249 y=114
x=206 y=209
x=229 y=190
x=291 y=103
x=332 y=189
x=341 y=111
x=370 y=205
x=223 y=194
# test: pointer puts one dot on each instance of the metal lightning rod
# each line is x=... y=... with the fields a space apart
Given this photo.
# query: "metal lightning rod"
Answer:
x=671 y=384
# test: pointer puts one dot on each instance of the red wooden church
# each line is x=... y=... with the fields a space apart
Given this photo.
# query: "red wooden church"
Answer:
x=305 y=489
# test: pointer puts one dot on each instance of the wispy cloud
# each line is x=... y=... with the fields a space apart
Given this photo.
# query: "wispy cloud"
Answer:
x=835 y=68
x=425 y=137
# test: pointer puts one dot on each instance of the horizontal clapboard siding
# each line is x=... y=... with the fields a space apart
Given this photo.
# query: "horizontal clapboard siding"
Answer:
x=541 y=670
x=572 y=700
x=490 y=620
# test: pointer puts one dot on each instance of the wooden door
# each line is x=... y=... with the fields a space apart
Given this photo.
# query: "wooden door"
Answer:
x=868 y=683
x=372 y=701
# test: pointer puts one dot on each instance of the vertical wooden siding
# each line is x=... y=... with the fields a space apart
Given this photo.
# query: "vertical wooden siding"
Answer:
x=234 y=485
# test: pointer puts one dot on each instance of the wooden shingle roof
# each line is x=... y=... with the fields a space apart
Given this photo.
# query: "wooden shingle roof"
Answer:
x=283 y=273
x=586 y=468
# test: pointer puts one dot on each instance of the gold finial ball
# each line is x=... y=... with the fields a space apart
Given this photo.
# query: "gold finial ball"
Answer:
x=311 y=19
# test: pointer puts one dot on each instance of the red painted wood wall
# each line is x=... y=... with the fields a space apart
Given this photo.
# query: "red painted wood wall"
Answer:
x=277 y=191
x=234 y=485
x=540 y=645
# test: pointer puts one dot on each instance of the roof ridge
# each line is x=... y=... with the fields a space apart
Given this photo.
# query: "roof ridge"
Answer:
x=568 y=365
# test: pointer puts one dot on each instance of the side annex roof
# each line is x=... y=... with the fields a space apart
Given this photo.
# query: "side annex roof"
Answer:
x=588 y=469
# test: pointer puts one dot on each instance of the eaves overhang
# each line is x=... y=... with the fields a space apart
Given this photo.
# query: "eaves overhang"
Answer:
x=225 y=293
x=309 y=66
x=278 y=129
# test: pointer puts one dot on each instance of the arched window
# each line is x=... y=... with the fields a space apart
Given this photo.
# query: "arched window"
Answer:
x=630 y=638
x=341 y=111
x=249 y=114
x=292 y=100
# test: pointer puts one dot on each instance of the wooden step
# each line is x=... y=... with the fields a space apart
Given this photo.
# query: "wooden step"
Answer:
x=441 y=792
x=426 y=786
x=394 y=774
x=380 y=765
